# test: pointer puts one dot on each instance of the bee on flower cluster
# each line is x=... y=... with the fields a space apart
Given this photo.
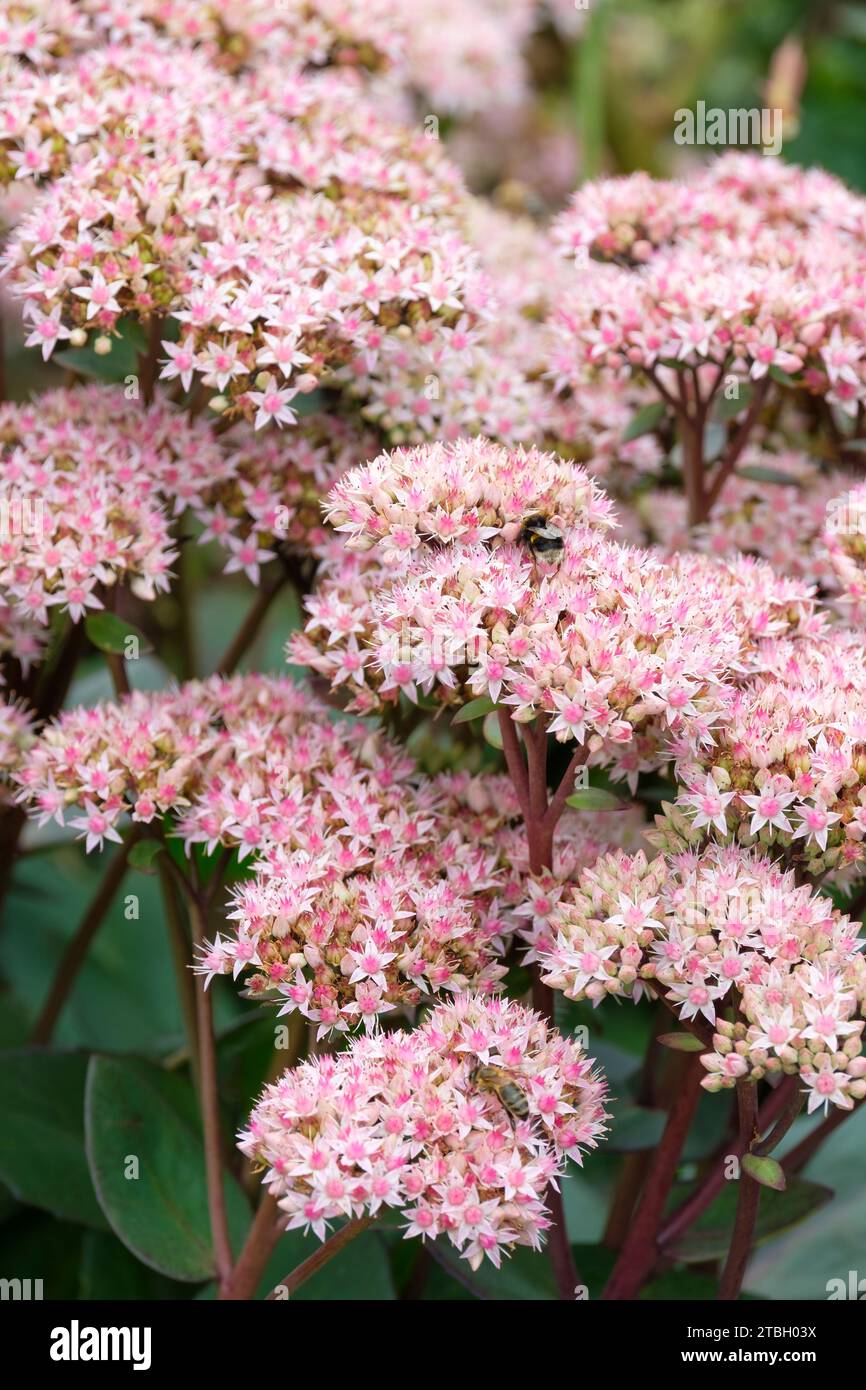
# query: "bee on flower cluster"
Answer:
x=500 y=1082
x=543 y=539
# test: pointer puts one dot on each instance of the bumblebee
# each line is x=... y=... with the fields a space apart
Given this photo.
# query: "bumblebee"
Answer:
x=542 y=538
x=501 y=1084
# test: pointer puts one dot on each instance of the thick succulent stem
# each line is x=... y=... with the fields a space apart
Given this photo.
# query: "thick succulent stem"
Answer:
x=319 y=1258
x=209 y=1100
x=257 y=1250
x=748 y=1201
x=640 y=1249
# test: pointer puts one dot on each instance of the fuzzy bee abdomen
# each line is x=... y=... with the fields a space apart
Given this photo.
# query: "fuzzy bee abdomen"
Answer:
x=515 y=1101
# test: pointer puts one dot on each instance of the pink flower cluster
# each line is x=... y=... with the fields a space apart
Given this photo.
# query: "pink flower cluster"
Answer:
x=217 y=207
x=16 y=736
x=94 y=481
x=844 y=536
x=459 y=57
x=184 y=752
x=720 y=928
x=369 y=890
x=470 y=491
x=787 y=770
x=316 y=243
x=398 y=1122
x=46 y=33
x=745 y=270
x=344 y=950
x=626 y=220
x=398 y=894
x=369 y=893
x=373 y=887
x=296 y=236
x=81 y=507
x=614 y=647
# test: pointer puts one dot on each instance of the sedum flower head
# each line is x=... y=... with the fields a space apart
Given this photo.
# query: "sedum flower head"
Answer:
x=786 y=771
x=17 y=733
x=83 y=475
x=295 y=236
x=460 y=58
x=748 y=268
x=718 y=930
x=614 y=647
x=398 y=1122
x=469 y=491
x=177 y=753
x=95 y=482
x=844 y=538
x=345 y=949
x=373 y=887
x=368 y=898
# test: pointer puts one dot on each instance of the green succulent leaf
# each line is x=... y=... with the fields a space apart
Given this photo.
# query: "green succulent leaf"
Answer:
x=681 y=1042
x=647 y=419
x=767 y=1171
x=596 y=799
x=147 y=1164
x=474 y=710
x=109 y=633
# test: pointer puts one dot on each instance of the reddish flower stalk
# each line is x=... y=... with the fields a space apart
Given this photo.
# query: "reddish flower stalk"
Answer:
x=635 y=1165
x=181 y=956
x=51 y=685
x=694 y=468
x=703 y=491
x=293 y=571
x=148 y=363
x=734 y=450
x=115 y=662
x=12 y=820
x=748 y=1201
x=695 y=1205
x=260 y=1243
x=794 y=1104
x=640 y=1249
x=209 y=1096
x=319 y=1258
x=540 y=816
x=514 y=761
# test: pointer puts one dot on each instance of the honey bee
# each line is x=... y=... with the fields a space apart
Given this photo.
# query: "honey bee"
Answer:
x=542 y=538
x=501 y=1084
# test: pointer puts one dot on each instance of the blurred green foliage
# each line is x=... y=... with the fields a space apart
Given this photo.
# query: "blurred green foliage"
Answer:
x=660 y=55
